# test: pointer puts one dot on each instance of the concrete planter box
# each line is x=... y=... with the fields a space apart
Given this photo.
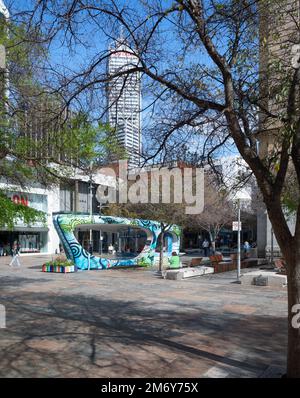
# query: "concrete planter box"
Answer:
x=264 y=278
x=183 y=273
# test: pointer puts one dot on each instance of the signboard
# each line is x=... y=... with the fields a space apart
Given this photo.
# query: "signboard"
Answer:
x=34 y=200
x=235 y=226
x=118 y=54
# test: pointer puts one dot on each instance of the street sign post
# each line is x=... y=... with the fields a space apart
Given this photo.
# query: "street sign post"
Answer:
x=235 y=226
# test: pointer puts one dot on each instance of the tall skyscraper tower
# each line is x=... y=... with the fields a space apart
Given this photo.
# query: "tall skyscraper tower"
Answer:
x=3 y=10
x=124 y=100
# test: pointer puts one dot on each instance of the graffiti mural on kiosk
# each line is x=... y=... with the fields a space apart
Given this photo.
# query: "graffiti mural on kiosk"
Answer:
x=65 y=225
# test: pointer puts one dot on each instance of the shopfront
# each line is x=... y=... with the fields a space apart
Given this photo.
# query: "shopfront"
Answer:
x=125 y=240
x=32 y=239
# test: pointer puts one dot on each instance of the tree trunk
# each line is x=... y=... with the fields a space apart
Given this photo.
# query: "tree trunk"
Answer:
x=290 y=248
x=213 y=246
x=161 y=250
x=212 y=242
x=293 y=277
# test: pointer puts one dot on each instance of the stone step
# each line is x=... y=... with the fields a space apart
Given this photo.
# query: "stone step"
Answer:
x=264 y=278
x=189 y=272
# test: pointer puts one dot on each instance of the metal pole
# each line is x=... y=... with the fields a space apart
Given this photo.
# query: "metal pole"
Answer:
x=272 y=247
x=91 y=202
x=239 y=243
x=100 y=246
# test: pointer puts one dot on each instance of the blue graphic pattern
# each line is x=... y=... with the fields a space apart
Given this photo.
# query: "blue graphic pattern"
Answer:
x=65 y=223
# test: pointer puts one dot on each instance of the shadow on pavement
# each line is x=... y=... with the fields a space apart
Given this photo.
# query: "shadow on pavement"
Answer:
x=75 y=335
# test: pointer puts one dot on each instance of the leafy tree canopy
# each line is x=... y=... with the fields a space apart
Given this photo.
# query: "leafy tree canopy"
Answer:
x=41 y=140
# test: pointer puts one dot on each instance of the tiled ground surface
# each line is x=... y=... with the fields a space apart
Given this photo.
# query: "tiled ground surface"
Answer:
x=130 y=323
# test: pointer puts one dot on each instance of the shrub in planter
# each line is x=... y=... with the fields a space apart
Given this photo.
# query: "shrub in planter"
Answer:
x=59 y=265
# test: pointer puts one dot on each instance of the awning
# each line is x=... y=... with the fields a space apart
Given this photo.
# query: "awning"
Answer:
x=26 y=229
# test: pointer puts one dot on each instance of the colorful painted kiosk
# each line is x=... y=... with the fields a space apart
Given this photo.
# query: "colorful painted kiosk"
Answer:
x=66 y=224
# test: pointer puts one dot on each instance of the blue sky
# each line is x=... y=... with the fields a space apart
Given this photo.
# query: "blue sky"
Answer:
x=95 y=40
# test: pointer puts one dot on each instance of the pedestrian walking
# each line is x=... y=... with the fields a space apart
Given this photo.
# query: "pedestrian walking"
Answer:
x=247 y=248
x=15 y=254
x=205 y=246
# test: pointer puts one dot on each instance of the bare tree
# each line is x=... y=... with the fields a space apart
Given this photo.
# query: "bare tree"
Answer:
x=218 y=210
x=167 y=214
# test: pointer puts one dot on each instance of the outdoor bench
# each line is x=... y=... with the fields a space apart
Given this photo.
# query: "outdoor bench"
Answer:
x=220 y=265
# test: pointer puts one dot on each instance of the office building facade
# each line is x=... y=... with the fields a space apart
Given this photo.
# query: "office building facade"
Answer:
x=124 y=100
x=279 y=34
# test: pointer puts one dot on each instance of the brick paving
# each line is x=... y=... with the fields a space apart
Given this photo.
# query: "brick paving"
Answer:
x=130 y=323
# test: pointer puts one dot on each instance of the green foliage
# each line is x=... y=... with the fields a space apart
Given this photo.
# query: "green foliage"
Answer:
x=88 y=142
x=62 y=145
x=144 y=262
x=291 y=194
x=290 y=204
x=24 y=50
x=11 y=213
x=60 y=262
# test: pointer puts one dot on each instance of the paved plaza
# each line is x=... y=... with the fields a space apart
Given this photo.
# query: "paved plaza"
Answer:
x=131 y=323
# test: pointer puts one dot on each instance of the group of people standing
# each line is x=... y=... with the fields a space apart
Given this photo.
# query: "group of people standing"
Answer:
x=206 y=245
x=5 y=249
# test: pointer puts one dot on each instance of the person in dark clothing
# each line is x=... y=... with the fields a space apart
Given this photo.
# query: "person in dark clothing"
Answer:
x=205 y=246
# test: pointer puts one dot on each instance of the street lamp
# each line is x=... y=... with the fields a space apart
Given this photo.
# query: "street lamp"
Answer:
x=238 y=228
x=100 y=206
x=239 y=242
x=91 y=212
x=101 y=200
x=272 y=248
x=91 y=195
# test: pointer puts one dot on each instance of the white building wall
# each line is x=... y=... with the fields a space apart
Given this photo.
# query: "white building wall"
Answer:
x=3 y=9
x=269 y=234
x=53 y=204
